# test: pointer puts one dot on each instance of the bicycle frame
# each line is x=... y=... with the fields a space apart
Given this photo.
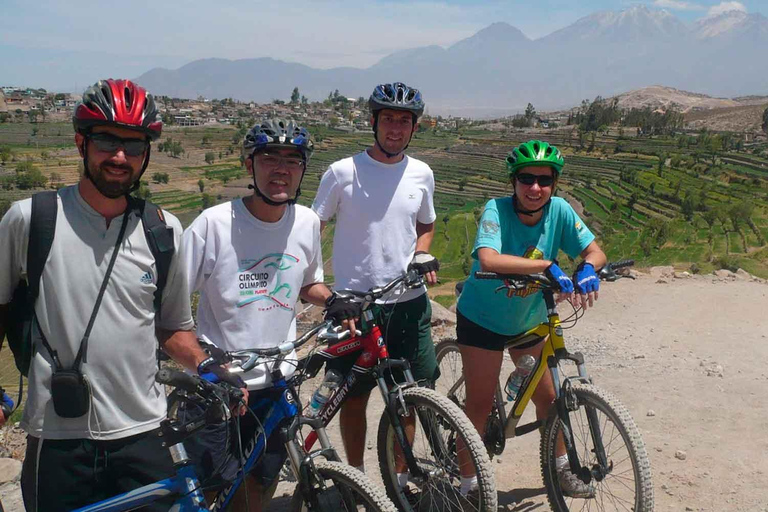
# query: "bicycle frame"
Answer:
x=552 y=353
x=374 y=358
x=185 y=484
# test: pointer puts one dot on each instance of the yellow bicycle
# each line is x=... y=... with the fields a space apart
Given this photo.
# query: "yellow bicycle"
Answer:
x=604 y=446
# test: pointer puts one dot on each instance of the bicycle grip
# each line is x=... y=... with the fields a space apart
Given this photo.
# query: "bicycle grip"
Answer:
x=177 y=379
x=622 y=264
x=486 y=275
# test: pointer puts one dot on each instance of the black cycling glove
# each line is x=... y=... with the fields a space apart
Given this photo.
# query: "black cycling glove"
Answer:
x=424 y=262
x=338 y=308
x=212 y=371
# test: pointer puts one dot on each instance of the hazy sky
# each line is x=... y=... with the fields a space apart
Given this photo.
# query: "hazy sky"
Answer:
x=67 y=45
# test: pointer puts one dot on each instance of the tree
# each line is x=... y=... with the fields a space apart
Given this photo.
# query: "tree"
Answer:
x=5 y=154
x=631 y=203
x=209 y=157
x=143 y=192
x=295 y=96
x=201 y=185
x=207 y=200
x=160 y=177
x=206 y=140
x=530 y=113
x=765 y=120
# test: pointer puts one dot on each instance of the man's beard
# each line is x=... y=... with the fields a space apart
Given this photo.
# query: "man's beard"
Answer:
x=111 y=188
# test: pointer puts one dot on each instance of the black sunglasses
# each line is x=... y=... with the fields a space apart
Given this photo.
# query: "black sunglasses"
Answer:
x=109 y=144
x=545 y=180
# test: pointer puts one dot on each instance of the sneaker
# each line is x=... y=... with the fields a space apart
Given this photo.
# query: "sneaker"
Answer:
x=572 y=486
x=471 y=502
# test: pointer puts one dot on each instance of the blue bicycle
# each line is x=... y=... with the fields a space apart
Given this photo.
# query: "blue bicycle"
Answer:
x=324 y=483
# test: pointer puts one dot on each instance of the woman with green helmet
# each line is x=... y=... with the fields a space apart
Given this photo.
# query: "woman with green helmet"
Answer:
x=522 y=234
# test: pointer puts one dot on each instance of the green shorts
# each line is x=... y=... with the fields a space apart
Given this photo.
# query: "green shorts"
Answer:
x=407 y=331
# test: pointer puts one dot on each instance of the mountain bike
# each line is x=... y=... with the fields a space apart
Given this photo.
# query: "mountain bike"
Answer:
x=603 y=444
x=324 y=485
x=442 y=428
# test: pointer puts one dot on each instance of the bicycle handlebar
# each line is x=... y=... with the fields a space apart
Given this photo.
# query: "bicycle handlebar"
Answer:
x=247 y=359
x=607 y=273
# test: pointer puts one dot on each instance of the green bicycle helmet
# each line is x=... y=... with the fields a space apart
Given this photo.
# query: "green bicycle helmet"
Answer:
x=535 y=152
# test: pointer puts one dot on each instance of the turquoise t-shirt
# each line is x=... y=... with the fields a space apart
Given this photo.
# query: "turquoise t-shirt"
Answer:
x=506 y=312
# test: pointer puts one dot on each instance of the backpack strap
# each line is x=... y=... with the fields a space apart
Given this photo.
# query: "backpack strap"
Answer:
x=42 y=228
x=159 y=237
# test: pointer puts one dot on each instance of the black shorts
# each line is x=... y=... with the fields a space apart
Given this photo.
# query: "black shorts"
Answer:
x=65 y=474
x=473 y=335
x=216 y=453
x=407 y=330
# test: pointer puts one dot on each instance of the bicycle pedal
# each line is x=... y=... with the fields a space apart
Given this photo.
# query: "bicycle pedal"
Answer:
x=286 y=473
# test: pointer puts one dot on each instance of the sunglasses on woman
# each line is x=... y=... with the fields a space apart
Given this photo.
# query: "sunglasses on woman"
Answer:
x=544 y=180
x=109 y=144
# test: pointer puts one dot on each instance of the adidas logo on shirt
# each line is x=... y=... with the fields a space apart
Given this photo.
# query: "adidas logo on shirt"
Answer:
x=147 y=278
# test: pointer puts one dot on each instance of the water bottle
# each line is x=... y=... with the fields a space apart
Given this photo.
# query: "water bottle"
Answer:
x=323 y=392
x=523 y=369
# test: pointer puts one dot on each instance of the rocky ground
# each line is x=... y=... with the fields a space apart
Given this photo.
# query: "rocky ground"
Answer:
x=685 y=354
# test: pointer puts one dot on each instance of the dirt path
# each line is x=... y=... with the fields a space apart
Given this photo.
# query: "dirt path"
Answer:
x=687 y=358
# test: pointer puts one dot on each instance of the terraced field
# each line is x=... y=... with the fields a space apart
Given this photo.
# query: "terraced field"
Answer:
x=639 y=208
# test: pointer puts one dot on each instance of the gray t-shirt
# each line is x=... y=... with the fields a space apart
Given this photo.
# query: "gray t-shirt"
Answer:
x=120 y=362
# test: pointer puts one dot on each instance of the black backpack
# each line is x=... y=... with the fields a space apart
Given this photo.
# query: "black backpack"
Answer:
x=21 y=314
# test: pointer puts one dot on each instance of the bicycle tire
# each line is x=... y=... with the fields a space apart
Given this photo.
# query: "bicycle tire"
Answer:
x=451 y=367
x=628 y=486
x=363 y=492
x=441 y=490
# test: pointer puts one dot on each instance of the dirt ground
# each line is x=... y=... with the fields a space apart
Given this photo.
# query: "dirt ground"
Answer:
x=688 y=359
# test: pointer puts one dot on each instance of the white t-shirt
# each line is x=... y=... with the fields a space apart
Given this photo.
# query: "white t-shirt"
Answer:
x=249 y=274
x=376 y=206
x=120 y=360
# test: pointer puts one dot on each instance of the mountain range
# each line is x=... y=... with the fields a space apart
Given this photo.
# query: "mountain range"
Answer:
x=499 y=70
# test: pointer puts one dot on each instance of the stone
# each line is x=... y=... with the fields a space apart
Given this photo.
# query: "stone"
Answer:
x=665 y=271
x=743 y=275
x=651 y=413
x=441 y=315
x=10 y=470
x=680 y=455
x=725 y=275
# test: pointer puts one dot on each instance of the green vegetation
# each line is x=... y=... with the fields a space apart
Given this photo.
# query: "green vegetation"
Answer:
x=648 y=190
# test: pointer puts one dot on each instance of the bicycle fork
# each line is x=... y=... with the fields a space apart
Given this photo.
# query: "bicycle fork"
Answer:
x=565 y=402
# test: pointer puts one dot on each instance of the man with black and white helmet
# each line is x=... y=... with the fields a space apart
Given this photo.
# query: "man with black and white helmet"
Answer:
x=382 y=200
x=251 y=259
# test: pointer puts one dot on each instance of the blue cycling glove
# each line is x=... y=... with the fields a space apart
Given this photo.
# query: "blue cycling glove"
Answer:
x=6 y=405
x=556 y=275
x=585 y=280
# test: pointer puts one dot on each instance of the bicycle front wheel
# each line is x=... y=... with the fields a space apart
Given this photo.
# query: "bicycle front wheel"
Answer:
x=440 y=429
x=343 y=488
x=626 y=483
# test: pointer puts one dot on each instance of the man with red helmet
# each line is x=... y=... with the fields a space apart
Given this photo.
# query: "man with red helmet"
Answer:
x=99 y=250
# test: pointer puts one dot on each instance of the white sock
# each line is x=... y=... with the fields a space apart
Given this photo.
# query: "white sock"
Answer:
x=468 y=484
x=402 y=479
x=361 y=467
x=561 y=462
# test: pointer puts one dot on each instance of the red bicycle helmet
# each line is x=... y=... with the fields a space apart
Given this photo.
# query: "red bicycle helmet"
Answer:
x=117 y=103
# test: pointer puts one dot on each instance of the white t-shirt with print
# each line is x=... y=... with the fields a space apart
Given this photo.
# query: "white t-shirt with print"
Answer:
x=249 y=274
x=376 y=206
